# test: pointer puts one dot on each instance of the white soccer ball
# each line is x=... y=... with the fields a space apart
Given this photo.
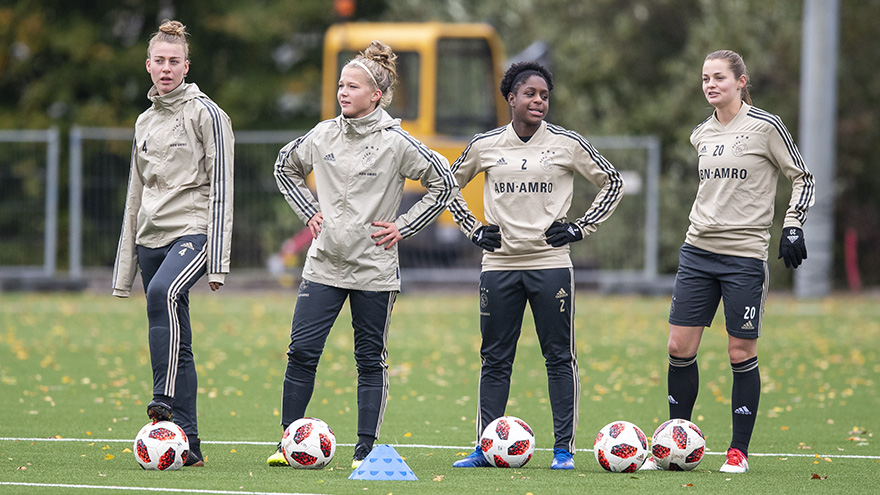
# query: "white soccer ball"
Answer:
x=161 y=446
x=308 y=443
x=621 y=447
x=678 y=445
x=507 y=442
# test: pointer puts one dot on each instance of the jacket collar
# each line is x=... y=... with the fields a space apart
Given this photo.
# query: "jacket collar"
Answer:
x=168 y=101
x=375 y=121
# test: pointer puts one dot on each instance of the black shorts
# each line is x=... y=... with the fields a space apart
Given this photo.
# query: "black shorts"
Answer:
x=704 y=278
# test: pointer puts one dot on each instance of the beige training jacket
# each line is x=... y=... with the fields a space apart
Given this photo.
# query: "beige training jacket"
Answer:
x=181 y=182
x=360 y=167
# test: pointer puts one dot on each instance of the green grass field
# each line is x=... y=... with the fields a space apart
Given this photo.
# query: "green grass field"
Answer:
x=75 y=378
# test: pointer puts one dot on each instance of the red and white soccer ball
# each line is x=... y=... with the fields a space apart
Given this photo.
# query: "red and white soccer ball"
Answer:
x=161 y=446
x=507 y=442
x=621 y=447
x=678 y=445
x=308 y=443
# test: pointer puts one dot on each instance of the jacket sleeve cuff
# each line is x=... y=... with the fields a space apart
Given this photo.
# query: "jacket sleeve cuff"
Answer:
x=220 y=278
x=121 y=293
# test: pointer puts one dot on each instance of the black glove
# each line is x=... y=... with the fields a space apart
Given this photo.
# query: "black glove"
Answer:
x=560 y=234
x=487 y=237
x=792 y=248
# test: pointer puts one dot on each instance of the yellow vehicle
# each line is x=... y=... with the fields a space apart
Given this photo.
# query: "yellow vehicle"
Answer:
x=447 y=89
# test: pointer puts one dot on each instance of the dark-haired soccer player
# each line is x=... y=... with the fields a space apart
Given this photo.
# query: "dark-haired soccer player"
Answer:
x=529 y=168
x=742 y=149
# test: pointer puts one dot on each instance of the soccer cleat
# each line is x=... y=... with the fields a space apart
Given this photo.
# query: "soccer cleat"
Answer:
x=277 y=458
x=650 y=465
x=474 y=459
x=159 y=411
x=361 y=451
x=736 y=462
x=562 y=459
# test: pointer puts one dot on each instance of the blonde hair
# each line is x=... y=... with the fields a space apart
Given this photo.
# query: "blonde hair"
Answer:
x=737 y=66
x=173 y=32
x=380 y=63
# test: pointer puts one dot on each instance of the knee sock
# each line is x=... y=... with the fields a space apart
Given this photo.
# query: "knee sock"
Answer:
x=744 y=402
x=366 y=440
x=683 y=383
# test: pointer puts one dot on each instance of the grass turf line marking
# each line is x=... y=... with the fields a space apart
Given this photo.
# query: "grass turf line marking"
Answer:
x=416 y=446
x=143 y=488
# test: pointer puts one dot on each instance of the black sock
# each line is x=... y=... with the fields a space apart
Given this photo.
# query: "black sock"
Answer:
x=744 y=402
x=366 y=440
x=195 y=446
x=682 y=383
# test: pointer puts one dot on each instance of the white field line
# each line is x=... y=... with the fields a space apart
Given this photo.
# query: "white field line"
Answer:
x=143 y=489
x=415 y=446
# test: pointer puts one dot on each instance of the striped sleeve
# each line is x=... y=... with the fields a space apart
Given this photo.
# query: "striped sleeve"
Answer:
x=592 y=165
x=291 y=170
x=783 y=152
x=465 y=168
x=219 y=144
x=436 y=178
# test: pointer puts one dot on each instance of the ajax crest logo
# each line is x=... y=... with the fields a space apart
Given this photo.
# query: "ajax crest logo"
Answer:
x=740 y=147
x=547 y=160
x=178 y=131
x=368 y=159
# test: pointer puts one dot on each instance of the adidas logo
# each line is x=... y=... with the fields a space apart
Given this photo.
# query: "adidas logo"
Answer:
x=748 y=326
x=703 y=149
x=329 y=157
x=743 y=410
x=672 y=400
x=561 y=294
x=501 y=161
x=186 y=245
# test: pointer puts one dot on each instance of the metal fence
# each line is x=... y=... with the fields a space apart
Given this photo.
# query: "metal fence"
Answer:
x=29 y=202
x=624 y=251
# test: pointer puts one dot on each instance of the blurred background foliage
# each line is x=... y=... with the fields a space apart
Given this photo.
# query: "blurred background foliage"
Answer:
x=621 y=67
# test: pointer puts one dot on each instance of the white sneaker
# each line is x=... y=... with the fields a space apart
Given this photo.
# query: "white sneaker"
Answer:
x=736 y=462
x=650 y=465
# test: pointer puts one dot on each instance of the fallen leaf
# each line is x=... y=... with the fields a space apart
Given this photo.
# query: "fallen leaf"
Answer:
x=817 y=477
x=689 y=484
x=439 y=477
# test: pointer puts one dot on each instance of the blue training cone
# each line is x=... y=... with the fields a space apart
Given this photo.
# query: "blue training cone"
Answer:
x=383 y=463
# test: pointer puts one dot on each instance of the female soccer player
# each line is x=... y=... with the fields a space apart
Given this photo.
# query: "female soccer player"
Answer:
x=361 y=160
x=529 y=167
x=178 y=221
x=741 y=149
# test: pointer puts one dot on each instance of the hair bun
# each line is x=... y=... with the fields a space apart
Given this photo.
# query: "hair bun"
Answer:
x=175 y=28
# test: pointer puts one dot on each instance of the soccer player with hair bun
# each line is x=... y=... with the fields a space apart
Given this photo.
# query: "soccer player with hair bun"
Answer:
x=361 y=160
x=177 y=224
x=529 y=168
x=742 y=150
